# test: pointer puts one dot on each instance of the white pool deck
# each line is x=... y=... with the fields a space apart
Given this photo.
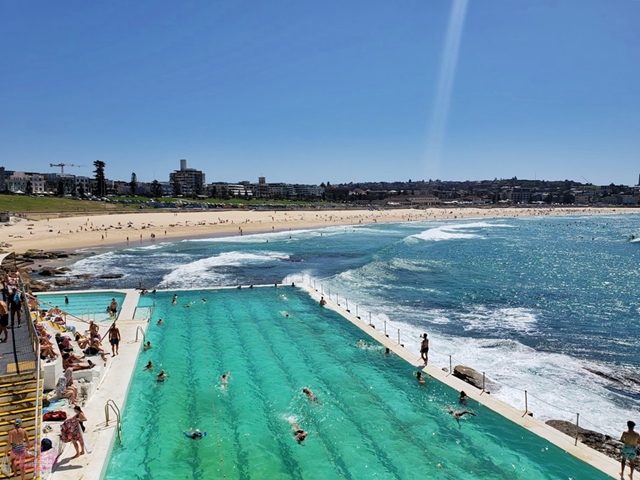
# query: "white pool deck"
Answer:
x=116 y=379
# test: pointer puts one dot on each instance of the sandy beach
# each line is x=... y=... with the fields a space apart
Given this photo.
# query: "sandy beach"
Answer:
x=72 y=233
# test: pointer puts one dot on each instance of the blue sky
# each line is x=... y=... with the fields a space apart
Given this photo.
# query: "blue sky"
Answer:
x=333 y=91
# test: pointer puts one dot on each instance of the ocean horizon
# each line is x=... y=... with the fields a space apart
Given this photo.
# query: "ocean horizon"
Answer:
x=543 y=304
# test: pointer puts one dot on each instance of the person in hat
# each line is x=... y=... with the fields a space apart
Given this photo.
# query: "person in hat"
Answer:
x=17 y=444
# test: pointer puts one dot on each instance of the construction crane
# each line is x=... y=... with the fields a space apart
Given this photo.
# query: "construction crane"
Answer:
x=62 y=165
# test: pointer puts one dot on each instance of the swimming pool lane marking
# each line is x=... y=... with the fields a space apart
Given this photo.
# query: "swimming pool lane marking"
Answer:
x=381 y=454
x=240 y=459
x=293 y=390
x=285 y=460
x=376 y=400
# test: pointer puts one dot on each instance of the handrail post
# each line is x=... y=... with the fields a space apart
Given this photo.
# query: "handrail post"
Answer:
x=577 y=427
x=450 y=367
x=526 y=403
x=346 y=302
x=369 y=318
x=398 y=336
x=385 y=327
x=483 y=382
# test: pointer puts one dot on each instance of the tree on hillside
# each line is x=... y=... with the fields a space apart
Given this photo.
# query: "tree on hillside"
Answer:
x=133 y=184
x=101 y=184
x=156 y=189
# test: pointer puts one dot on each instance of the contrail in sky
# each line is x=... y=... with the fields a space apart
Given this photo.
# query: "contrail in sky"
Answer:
x=435 y=138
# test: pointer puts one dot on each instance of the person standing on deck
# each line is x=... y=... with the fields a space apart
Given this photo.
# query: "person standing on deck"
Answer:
x=424 y=348
x=631 y=440
x=114 y=339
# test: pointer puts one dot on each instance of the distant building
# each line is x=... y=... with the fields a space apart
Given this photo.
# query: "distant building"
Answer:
x=188 y=181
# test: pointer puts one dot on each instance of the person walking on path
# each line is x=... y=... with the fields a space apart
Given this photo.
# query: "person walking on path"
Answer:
x=17 y=447
x=424 y=348
x=15 y=305
x=630 y=438
x=4 y=321
x=114 y=339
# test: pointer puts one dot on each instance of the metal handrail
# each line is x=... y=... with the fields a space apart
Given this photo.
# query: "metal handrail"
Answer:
x=112 y=405
x=139 y=329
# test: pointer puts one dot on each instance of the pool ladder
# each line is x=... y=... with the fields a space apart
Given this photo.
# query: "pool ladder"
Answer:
x=111 y=405
x=139 y=329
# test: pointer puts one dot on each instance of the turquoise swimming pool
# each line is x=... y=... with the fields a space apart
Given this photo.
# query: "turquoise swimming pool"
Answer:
x=373 y=420
x=85 y=305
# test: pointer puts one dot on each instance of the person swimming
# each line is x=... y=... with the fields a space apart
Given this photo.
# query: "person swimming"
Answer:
x=298 y=433
x=195 y=434
x=160 y=322
x=462 y=399
x=147 y=345
x=149 y=366
x=174 y=300
x=310 y=395
x=161 y=376
x=225 y=379
x=459 y=414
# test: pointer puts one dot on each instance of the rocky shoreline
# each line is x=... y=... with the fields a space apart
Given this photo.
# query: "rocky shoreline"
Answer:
x=47 y=270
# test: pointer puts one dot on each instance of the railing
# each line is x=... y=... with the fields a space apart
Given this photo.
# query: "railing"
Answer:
x=111 y=405
x=139 y=329
x=390 y=330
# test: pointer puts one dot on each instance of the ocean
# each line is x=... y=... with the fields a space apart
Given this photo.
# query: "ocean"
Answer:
x=543 y=304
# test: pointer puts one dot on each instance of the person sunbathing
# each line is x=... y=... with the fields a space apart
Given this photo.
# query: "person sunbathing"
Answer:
x=62 y=391
x=95 y=348
x=70 y=361
x=47 y=350
x=83 y=342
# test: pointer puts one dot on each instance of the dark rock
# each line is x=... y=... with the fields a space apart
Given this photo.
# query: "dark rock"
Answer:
x=35 y=254
x=472 y=377
x=45 y=272
x=111 y=275
x=84 y=275
x=596 y=440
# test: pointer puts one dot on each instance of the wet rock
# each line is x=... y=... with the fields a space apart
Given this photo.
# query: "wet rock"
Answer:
x=111 y=275
x=596 y=440
x=469 y=375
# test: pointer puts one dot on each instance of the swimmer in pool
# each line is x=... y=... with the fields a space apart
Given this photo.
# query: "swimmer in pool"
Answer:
x=457 y=415
x=225 y=379
x=149 y=366
x=298 y=433
x=312 y=398
x=420 y=378
x=161 y=376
